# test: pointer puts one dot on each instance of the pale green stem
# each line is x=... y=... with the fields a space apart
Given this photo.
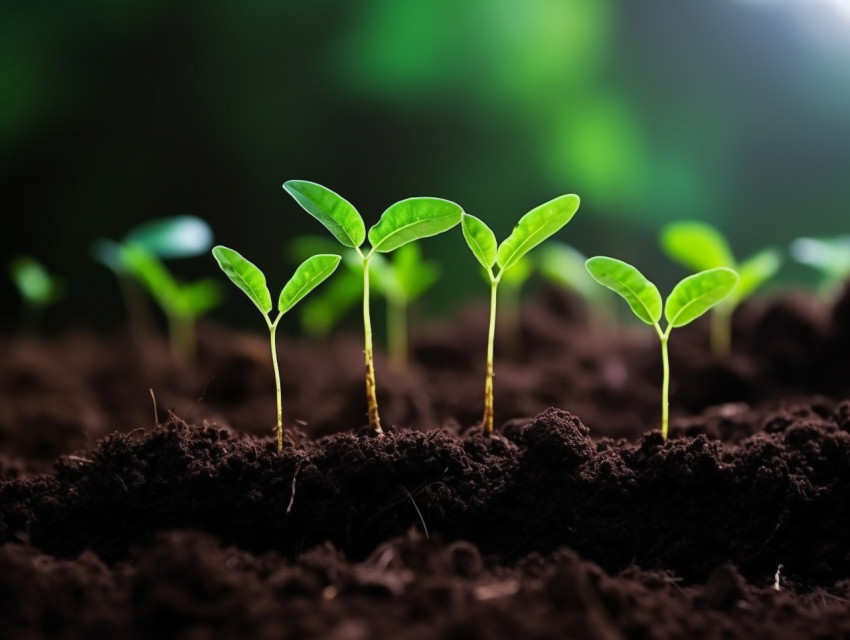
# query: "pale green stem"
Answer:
x=665 y=386
x=181 y=333
x=487 y=420
x=511 y=329
x=371 y=396
x=279 y=425
x=721 y=330
x=397 y=331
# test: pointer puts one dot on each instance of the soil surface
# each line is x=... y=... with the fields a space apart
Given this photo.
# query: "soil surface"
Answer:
x=142 y=498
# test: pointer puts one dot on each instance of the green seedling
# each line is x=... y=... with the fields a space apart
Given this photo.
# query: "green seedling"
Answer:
x=533 y=228
x=700 y=246
x=510 y=333
x=37 y=287
x=245 y=275
x=164 y=238
x=563 y=265
x=402 y=280
x=689 y=299
x=329 y=307
x=182 y=303
x=830 y=256
x=403 y=222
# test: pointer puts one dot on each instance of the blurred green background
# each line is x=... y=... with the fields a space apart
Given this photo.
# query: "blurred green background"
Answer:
x=117 y=112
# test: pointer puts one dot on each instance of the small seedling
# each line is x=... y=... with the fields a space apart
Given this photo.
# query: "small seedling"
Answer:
x=533 y=228
x=164 y=238
x=403 y=222
x=699 y=246
x=563 y=265
x=37 y=287
x=510 y=332
x=830 y=256
x=402 y=280
x=329 y=307
x=689 y=299
x=182 y=303
x=245 y=275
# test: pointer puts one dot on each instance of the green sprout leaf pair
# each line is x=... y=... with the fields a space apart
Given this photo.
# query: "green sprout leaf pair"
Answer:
x=688 y=300
x=403 y=222
x=248 y=277
x=700 y=246
x=534 y=227
x=830 y=256
x=182 y=303
x=137 y=260
x=402 y=280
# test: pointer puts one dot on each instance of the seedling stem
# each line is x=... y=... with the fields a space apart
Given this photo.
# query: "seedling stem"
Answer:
x=487 y=420
x=371 y=394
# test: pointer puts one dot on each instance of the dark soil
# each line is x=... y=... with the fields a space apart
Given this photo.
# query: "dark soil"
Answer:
x=119 y=519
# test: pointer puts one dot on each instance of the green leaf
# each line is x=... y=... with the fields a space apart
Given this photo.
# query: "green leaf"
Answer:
x=563 y=265
x=151 y=273
x=414 y=274
x=481 y=240
x=412 y=219
x=177 y=237
x=696 y=294
x=199 y=297
x=332 y=210
x=108 y=253
x=519 y=273
x=244 y=275
x=309 y=275
x=536 y=226
x=755 y=271
x=696 y=245
x=631 y=284
x=33 y=281
x=831 y=256
x=329 y=306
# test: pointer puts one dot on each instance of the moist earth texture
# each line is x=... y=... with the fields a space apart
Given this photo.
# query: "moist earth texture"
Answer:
x=142 y=498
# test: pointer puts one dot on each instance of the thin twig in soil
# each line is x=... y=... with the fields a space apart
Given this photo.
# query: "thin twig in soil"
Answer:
x=294 y=477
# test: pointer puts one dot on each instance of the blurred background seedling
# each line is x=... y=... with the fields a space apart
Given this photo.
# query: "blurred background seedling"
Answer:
x=182 y=303
x=700 y=246
x=562 y=265
x=38 y=289
x=164 y=239
x=829 y=256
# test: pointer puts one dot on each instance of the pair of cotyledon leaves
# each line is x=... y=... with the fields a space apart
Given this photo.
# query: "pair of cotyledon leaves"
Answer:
x=700 y=246
x=533 y=228
x=690 y=298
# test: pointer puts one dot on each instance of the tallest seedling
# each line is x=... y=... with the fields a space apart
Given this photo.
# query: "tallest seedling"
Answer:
x=533 y=228
x=405 y=221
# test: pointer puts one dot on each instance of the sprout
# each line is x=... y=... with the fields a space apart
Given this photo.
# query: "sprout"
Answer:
x=533 y=228
x=37 y=287
x=245 y=275
x=402 y=280
x=830 y=256
x=510 y=333
x=700 y=246
x=164 y=238
x=402 y=222
x=689 y=299
x=182 y=303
